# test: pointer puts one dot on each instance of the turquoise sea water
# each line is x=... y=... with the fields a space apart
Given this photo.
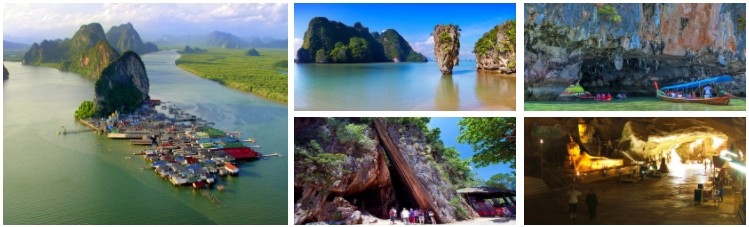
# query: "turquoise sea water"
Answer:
x=631 y=104
x=85 y=179
x=400 y=86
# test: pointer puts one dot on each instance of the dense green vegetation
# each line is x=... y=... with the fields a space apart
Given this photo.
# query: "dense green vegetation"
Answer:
x=608 y=12
x=398 y=48
x=502 y=180
x=190 y=50
x=87 y=53
x=260 y=75
x=85 y=110
x=114 y=93
x=488 y=42
x=252 y=52
x=492 y=138
x=328 y=41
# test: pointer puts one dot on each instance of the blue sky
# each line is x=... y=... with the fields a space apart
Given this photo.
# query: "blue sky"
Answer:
x=413 y=21
x=28 y=23
x=449 y=134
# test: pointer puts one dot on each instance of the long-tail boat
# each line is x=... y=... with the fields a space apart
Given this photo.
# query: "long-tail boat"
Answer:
x=724 y=99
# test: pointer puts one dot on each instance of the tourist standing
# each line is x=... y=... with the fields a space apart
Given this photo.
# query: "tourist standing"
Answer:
x=421 y=216
x=592 y=201
x=404 y=216
x=431 y=216
x=413 y=216
x=573 y=202
x=393 y=214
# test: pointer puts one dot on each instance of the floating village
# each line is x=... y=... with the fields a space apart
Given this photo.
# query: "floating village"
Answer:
x=180 y=147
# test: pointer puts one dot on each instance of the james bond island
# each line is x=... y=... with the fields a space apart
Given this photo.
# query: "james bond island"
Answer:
x=635 y=171
x=404 y=171
x=124 y=131
x=447 y=58
x=635 y=56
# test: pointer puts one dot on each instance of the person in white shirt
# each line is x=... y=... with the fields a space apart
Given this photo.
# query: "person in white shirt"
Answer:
x=573 y=202
x=405 y=215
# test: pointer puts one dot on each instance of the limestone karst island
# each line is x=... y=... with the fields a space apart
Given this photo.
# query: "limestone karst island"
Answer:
x=377 y=61
x=649 y=56
x=132 y=119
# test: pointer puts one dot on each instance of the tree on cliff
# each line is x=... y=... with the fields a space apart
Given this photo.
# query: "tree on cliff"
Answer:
x=502 y=180
x=492 y=138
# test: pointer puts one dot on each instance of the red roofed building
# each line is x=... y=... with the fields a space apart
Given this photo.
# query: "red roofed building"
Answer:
x=242 y=153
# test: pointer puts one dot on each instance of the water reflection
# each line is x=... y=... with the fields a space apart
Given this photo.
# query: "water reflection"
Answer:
x=495 y=89
x=447 y=94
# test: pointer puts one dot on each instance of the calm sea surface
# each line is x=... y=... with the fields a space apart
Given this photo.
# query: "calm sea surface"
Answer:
x=85 y=179
x=631 y=104
x=400 y=86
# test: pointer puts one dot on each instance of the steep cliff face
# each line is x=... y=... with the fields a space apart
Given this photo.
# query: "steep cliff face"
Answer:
x=124 y=37
x=88 y=52
x=123 y=86
x=348 y=165
x=327 y=41
x=414 y=170
x=446 y=47
x=495 y=50
x=397 y=48
x=625 y=47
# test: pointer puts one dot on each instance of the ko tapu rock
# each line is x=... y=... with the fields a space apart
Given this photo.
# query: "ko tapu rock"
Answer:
x=495 y=50
x=446 y=46
x=123 y=85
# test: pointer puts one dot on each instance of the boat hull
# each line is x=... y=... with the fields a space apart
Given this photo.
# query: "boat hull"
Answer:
x=722 y=101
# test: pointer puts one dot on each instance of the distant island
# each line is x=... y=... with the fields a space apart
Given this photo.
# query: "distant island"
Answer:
x=219 y=39
x=327 y=41
x=89 y=51
x=124 y=37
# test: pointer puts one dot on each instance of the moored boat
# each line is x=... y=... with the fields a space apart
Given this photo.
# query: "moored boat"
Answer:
x=725 y=99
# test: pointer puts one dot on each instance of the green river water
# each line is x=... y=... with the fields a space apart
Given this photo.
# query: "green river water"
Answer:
x=399 y=87
x=85 y=179
x=631 y=104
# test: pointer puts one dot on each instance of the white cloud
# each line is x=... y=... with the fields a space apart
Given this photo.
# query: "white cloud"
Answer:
x=426 y=47
x=297 y=44
x=39 y=21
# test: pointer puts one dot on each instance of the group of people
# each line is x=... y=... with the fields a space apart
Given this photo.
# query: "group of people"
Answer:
x=591 y=200
x=411 y=216
x=605 y=96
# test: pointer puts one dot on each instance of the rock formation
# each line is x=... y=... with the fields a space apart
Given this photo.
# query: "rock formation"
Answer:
x=495 y=50
x=327 y=41
x=252 y=52
x=123 y=86
x=124 y=37
x=6 y=74
x=640 y=138
x=397 y=48
x=625 y=47
x=381 y=164
x=446 y=47
x=88 y=52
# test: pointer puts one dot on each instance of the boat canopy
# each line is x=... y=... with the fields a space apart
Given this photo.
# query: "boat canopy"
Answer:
x=717 y=79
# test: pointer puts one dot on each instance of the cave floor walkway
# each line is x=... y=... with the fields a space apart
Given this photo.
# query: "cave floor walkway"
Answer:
x=668 y=200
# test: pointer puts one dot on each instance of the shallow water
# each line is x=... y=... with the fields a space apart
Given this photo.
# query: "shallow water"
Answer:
x=85 y=179
x=400 y=86
x=631 y=104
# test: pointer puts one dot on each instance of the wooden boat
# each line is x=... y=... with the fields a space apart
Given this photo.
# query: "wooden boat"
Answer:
x=722 y=100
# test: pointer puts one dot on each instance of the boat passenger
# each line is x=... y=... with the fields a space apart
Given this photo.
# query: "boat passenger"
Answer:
x=707 y=92
x=608 y=96
x=598 y=96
